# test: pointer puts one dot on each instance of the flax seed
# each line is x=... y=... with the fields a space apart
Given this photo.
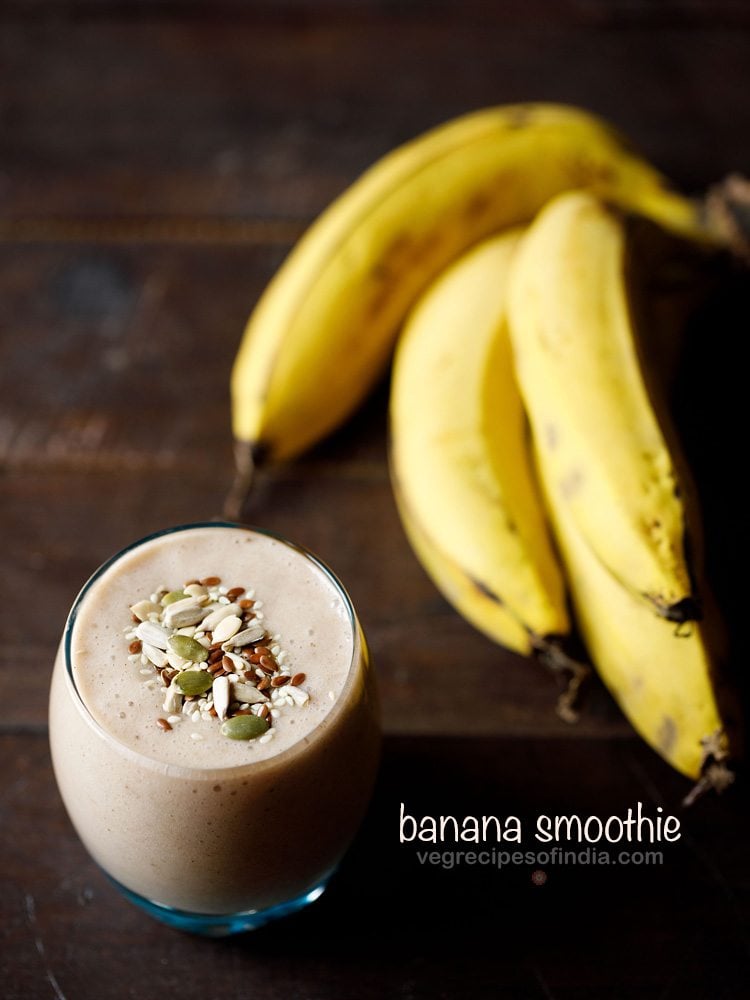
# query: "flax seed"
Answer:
x=263 y=651
x=246 y=604
x=264 y=711
x=267 y=663
x=163 y=724
x=235 y=592
x=216 y=654
x=264 y=684
x=210 y=581
x=135 y=646
x=298 y=679
x=216 y=669
x=280 y=680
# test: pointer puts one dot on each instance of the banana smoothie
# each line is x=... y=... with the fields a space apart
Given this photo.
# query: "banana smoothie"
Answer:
x=213 y=721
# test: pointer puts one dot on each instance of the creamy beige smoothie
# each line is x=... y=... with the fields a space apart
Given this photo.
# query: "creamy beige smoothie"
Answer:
x=213 y=720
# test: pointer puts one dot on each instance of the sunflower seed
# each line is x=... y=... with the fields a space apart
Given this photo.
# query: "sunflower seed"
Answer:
x=143 y=609
x=217 y=615
x=227 y=628
x=153 y=634
x=220 y=691
x=236 y=660
x=157 y=656
x=242 y=691
x=299 y=695
x=176 y=661
x=172 y=700
x=248 y=635
x=185 y=612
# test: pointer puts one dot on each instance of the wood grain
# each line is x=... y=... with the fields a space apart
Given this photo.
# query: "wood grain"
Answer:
x=389 y=926
x=157 y=161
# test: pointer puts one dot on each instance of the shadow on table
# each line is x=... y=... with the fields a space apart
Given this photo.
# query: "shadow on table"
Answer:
x=540 y=928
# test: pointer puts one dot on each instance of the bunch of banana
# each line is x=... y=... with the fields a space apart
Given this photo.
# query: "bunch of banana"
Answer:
x=461 y=467
x=612 y=476
x=600 y=431
x=322 y=332
x=500 y=324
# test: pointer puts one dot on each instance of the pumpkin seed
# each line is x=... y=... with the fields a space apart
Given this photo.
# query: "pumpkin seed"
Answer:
x=244 y=727
x=188 y=649
x=192 y=682
x=172 y=596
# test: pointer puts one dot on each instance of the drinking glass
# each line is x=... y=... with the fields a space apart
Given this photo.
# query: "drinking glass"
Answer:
x=221 y=850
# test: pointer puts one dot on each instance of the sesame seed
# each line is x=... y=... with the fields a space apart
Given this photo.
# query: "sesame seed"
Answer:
x=260 y=663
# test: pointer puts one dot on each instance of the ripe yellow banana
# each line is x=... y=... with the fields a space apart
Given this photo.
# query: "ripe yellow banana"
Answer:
x=604 y=450
x=663 y=676
x=322 y=332
x=460 y=462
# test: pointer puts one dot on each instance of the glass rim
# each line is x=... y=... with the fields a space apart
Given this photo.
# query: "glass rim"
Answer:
x=359 y=655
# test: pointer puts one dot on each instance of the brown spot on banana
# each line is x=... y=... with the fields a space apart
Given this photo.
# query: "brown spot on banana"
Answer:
x=485 y=591
x=572 y=483
x=551 y=436
x=666 y=736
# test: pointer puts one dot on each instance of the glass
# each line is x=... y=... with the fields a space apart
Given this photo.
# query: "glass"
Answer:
x=263 y=848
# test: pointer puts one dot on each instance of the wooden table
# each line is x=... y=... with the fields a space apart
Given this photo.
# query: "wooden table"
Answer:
x=157 y=160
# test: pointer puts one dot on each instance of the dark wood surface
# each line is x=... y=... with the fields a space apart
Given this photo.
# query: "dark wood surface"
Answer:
x=156 y=162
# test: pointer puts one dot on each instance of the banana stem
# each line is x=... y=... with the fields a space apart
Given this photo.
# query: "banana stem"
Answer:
x=246 y=461
x=570 y=672
x=716 y=772
x=727 y=211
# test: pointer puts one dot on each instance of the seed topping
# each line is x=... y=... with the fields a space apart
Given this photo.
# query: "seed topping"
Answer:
x=216 y=658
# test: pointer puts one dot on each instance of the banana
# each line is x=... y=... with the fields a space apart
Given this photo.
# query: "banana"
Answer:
x=459 y=458
x=604 y=449
x=322 y=332
x=664 y=677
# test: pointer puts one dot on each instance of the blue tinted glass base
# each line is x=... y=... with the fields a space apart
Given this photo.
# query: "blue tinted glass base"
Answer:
x=222 y=925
